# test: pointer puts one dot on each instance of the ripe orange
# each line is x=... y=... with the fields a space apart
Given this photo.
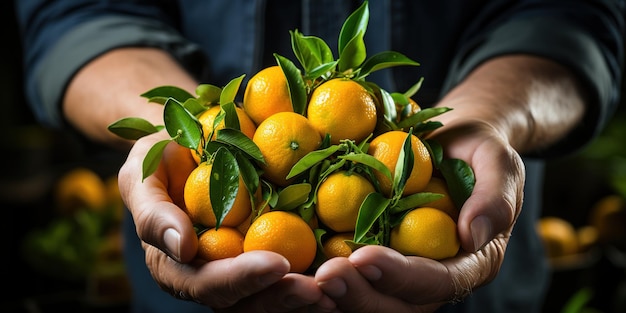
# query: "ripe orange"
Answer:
x=426 y=232
x=438 y=185
x=339 y=198
x=284 y=138
x=335 y=246
x=342 y=108
x=198 y=200
x=284 y=233
x=558 y=235
x=386 y=148
x=267 y=93
x=407 y=110
x=80 y=188
x=207 y=118
x=221 y=243
x=608 y=216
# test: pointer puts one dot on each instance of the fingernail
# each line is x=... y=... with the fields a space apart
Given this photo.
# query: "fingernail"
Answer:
x=481 y=231
x=335 y=287
x=370 y=272
x=270 y=278
x=172 y=243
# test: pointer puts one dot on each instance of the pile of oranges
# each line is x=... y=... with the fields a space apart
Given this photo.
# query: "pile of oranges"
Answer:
x=313 y=164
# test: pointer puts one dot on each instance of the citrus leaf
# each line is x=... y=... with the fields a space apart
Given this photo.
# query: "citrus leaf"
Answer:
x=372 y=207
x=415 y=200
x=132 y=128
x=248 y=173
x=390 y=112
x=310 y=159
x=355 y=25
x=404 y=166
x=231 y=120
x=414 y=89
x=422 y=115
x=237 y=139
x=293 y=196
x=153 y=158
x=230 y=90
x=422 y=128
x=297 y=89
x=208 y=94
x=369 y=161
x=162 y=93
x=353 y=54
x=310 y=51
x=224 y=184
x=435 y=150
x=194 y=106
x=183 y=127
x=460 y=179
x=321 y=71
x=384 y=60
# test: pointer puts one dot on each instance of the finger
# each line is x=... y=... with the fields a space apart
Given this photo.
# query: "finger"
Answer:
x=218 y=284
x=293 y=293
x=158 y=220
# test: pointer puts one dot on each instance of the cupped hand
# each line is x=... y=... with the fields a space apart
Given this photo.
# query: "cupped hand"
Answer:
x=379 y=279
x=257 y=281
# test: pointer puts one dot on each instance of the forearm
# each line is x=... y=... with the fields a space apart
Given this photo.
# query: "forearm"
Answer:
x=531 y=102
x=109 y=88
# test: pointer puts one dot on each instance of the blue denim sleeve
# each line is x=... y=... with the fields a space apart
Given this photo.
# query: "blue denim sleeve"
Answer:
x=59 y=37
x=586 y=36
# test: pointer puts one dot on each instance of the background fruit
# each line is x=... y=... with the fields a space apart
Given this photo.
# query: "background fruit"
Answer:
x=80 y=188
x=284 y=138
x=284 y=233
x=336 y=247
x=207 y=118
x=198 y=200
x=386 y=148
x=223 y=242
x=267 y=93
x=343 y=109
x=559 y=236
x=339 y=198
x=426 y=232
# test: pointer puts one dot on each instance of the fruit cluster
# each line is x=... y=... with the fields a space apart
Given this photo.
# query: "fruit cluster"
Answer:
x=316 y=161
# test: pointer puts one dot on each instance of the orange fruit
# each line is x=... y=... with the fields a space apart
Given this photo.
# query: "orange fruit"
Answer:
x=206 y=118
x=426 y=232
x=284 y=138
x=342 y=108
x=438 y=185
x=267 y=93
x=243 y=227
x=339 y=198
x=80 y=188
x=387 y=146
x=221 y=243
x=335 y=246
x=198 y=201
x=286 y=234
x=608 y=216
x=405 y=111
x=558 y=235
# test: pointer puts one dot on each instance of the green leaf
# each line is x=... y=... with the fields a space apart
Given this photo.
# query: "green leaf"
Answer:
x=354 y=26
x=415 y=200
x=248 y=173
x=368 y=160
x=404 y=166
x=435 y=150
x=208 y=94
x=237 y=139
x=384 y=60
x=414 y=89
x=423 y=115
x=231 y=119
x=310 y=159
x=230 y=90
x=353 y=54
x=183 y=127
x=389 y=104
x=323 y=70
x=311 y=52
x=293 y=196
x=132 y=128
x=297 y=89
x=372 y=207
x=460 y=179
x=162 y=93
x=224 y=184
x=194 y=106
x=153 y=158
